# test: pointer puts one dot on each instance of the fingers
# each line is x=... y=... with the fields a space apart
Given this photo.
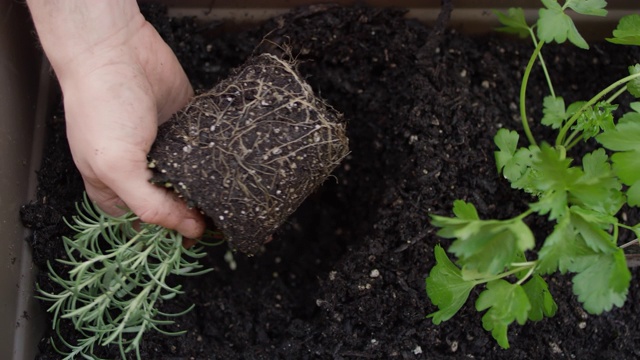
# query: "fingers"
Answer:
x=110 y=203
x=188 y=243
x=124 y=185
x=158 y=206
x=155 y=206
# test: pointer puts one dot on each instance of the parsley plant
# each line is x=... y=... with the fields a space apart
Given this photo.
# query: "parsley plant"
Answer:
x=582 y=200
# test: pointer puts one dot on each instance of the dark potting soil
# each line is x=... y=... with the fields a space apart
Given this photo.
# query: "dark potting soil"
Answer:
x=344 y=279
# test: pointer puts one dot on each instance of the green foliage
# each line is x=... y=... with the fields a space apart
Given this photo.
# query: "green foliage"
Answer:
x=446 y=287
x=474 y=238
x=542 y=303
x=117 y=275
x=514 y=22
x=581 y=198
x=507 y=303
x=628 y=31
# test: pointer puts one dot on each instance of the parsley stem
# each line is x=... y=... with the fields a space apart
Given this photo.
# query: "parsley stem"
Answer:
x=524 y=214
x=543 y=64
x=573 y=142
x=523 y=94
x=563 y=131
x=626 y=245
x=618 y=93
x=527 y=276
x=526 y=266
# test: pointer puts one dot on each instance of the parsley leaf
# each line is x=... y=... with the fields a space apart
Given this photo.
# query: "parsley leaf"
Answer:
x=514 y=22
x=553 y=111
x=588 y=7
x=506 y=303
x=446 y=288
x=512 y=161
x=555 y=25
x=603 y=281
x=595 y=119
x=465 y=210
x=553 y=177
x=484 y=246
x=542 y=303
x=598 y=188
x=591 y=226
x=625 y=140
x=633 y=86
x=628 y=31
x=560 y=249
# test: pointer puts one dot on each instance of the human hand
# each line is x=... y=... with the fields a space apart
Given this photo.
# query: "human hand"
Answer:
x=119 y=83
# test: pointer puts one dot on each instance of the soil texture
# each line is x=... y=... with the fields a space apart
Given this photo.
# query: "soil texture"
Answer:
x=344 y=277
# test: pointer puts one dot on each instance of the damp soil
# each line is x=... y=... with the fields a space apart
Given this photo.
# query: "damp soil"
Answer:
x=344 y=277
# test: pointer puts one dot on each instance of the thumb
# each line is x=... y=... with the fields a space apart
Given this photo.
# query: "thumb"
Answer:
x=156 y=205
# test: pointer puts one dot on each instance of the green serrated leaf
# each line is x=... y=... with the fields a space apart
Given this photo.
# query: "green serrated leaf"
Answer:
x=488 y=251
x=465 y=210
x=554 y=168
x=522 y=174
x=598 y=188
x=625 y=166
x=574 y=108
x=553 y=111
x=493 y=247
x=603 y=283
x=542 y=303
x=506 y=303
x=633 y=86
x=518 y=167
x=514 y=22
x=511 y=161
x=507 y=142
x=625 y=140
x=588 y=7
x=595 y=119
x=635 y=106
x=484 y=246
x=633 y=194
x=446 y=288
x=628 y=31
x=554 y=25
x=560 y=249
x=554 y=176
x=595 y=166
x=591 y=226
x=625 y=137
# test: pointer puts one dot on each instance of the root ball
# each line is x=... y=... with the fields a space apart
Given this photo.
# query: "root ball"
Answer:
x=250 y=150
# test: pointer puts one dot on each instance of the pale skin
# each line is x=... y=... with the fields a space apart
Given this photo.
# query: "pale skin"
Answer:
x=119 y=80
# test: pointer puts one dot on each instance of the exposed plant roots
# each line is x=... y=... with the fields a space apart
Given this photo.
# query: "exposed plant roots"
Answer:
x=249 y=151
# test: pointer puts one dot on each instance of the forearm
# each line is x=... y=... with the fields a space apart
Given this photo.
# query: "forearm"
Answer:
x=69 y=29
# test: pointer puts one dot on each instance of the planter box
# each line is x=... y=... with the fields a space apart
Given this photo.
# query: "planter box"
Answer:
x=25 y=92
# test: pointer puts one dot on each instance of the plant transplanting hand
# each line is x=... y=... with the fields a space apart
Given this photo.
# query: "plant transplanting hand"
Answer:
x=120 y=80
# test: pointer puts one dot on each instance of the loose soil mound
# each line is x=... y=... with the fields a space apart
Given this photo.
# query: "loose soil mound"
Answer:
x=345 y=278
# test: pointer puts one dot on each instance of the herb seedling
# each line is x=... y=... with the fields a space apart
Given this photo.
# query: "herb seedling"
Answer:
x=117 y=275
x=582 y=200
